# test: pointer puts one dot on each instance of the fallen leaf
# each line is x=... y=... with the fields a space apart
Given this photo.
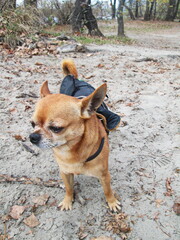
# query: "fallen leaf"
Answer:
x=41 y=200
x=16 y=211
x=27 y=107
x=5 y=218
x=12 y=110
x=39 y=64
x=31 y=221
x=168 y=188
x=100 y=65
x=19 y=138
x=176 y=206
x=158 y=202
x=88 y=77
x=102 y=238
x=129 y=104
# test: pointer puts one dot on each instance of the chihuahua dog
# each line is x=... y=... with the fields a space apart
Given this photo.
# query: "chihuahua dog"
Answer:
x=78 y=138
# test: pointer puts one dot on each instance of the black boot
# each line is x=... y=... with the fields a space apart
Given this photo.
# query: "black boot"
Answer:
x=112 y=119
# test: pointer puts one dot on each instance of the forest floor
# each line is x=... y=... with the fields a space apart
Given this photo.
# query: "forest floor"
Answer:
x=143 y=87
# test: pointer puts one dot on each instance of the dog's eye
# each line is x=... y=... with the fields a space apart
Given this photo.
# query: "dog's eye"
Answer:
x=33 y=124
x=56 y=129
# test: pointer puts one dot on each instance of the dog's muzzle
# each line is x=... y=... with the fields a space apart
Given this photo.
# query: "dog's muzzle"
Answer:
x=35 y=138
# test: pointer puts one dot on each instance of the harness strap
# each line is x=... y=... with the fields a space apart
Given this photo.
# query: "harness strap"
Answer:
x=97 y=152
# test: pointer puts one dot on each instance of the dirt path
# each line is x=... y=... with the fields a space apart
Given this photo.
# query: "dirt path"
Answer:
x=143 y=86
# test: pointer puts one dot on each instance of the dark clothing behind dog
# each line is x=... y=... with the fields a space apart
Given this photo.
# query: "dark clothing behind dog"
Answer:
x=80 y=89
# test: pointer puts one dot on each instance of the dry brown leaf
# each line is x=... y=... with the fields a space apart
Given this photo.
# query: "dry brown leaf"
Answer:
x=35 y=51
x=130 y=104
x=39 y=64
x=102 y=238
x=27 y=107
x=19 y=138
x=117 y=223
x=5 y=218
x=168 y=188
x=88 y=77
x=100 y=65
x=41 y=200
x=176 y=206
x=16 y=211
x=12 y=110
x=158 y=202
x=31 y=221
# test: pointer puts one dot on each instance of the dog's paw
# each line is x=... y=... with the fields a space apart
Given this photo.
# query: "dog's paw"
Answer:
x=114 y=206
x=65 y=205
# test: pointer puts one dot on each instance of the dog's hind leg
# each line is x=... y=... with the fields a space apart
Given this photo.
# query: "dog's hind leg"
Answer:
x=68 y=180
x=113 y=203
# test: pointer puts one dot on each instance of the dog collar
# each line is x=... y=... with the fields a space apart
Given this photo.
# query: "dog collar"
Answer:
x=97 y=152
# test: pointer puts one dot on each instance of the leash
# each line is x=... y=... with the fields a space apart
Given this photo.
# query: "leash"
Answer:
x=97 y=152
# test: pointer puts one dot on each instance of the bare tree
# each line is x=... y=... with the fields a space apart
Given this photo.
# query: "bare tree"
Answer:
x=63 y=11
x=82 y=15
x=113 y=8
x=137 y=9
x=172 y=10
x=120 y=18
x=131 y=14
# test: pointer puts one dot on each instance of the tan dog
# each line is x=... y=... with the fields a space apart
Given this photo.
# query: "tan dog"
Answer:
x=71 y=128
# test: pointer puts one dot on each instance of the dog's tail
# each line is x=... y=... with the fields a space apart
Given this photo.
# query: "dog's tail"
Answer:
x=69 y=68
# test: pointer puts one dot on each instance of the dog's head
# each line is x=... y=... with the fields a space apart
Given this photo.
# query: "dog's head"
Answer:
x=59 y=119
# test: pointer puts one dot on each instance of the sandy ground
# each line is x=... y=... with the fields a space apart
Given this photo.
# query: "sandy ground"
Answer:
x=144 y=157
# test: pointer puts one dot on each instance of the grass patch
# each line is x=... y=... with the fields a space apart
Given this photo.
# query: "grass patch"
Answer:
x=102 y=41
x=85 y=39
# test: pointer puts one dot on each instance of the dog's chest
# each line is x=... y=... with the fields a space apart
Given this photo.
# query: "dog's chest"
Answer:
x=66 y=164
x=75 y=168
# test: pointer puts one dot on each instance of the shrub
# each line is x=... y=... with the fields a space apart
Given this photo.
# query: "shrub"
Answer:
x=18 y=23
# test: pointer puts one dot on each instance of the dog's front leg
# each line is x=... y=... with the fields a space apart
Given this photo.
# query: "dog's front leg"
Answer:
x=68 y=180
x=113 y=203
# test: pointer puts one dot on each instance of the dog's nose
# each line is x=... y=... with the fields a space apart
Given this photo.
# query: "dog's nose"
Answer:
x=35 y=137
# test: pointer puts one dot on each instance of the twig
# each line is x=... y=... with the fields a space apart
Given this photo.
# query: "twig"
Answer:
x=159 y=225
x=29 y=149
x=31 y=94
x=4 y=178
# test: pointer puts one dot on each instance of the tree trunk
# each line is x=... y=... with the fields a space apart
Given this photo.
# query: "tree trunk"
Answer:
x=176 y=9
x=137 y=8
x=7 y=4
x=146 y=15
x=120 y=18
x=130 y=12
x=171 y=10
x=77 y=18
x=82 y=15
x=151 y=10
x=155 y=5
x=113 y=8
x=32 y=3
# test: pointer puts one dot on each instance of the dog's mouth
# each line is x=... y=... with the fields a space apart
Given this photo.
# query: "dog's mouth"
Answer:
x=44 y=143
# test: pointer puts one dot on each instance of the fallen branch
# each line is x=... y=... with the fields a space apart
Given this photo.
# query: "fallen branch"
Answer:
x=24 y=95
x=4 y=178
x=161 y=228
x=29 y=149
x=146 y=59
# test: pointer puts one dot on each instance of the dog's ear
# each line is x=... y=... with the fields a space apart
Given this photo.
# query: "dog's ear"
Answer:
x=93 y=101
x=44 y=90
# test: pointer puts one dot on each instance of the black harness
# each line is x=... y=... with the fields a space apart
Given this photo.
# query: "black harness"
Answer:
x=97 y=152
